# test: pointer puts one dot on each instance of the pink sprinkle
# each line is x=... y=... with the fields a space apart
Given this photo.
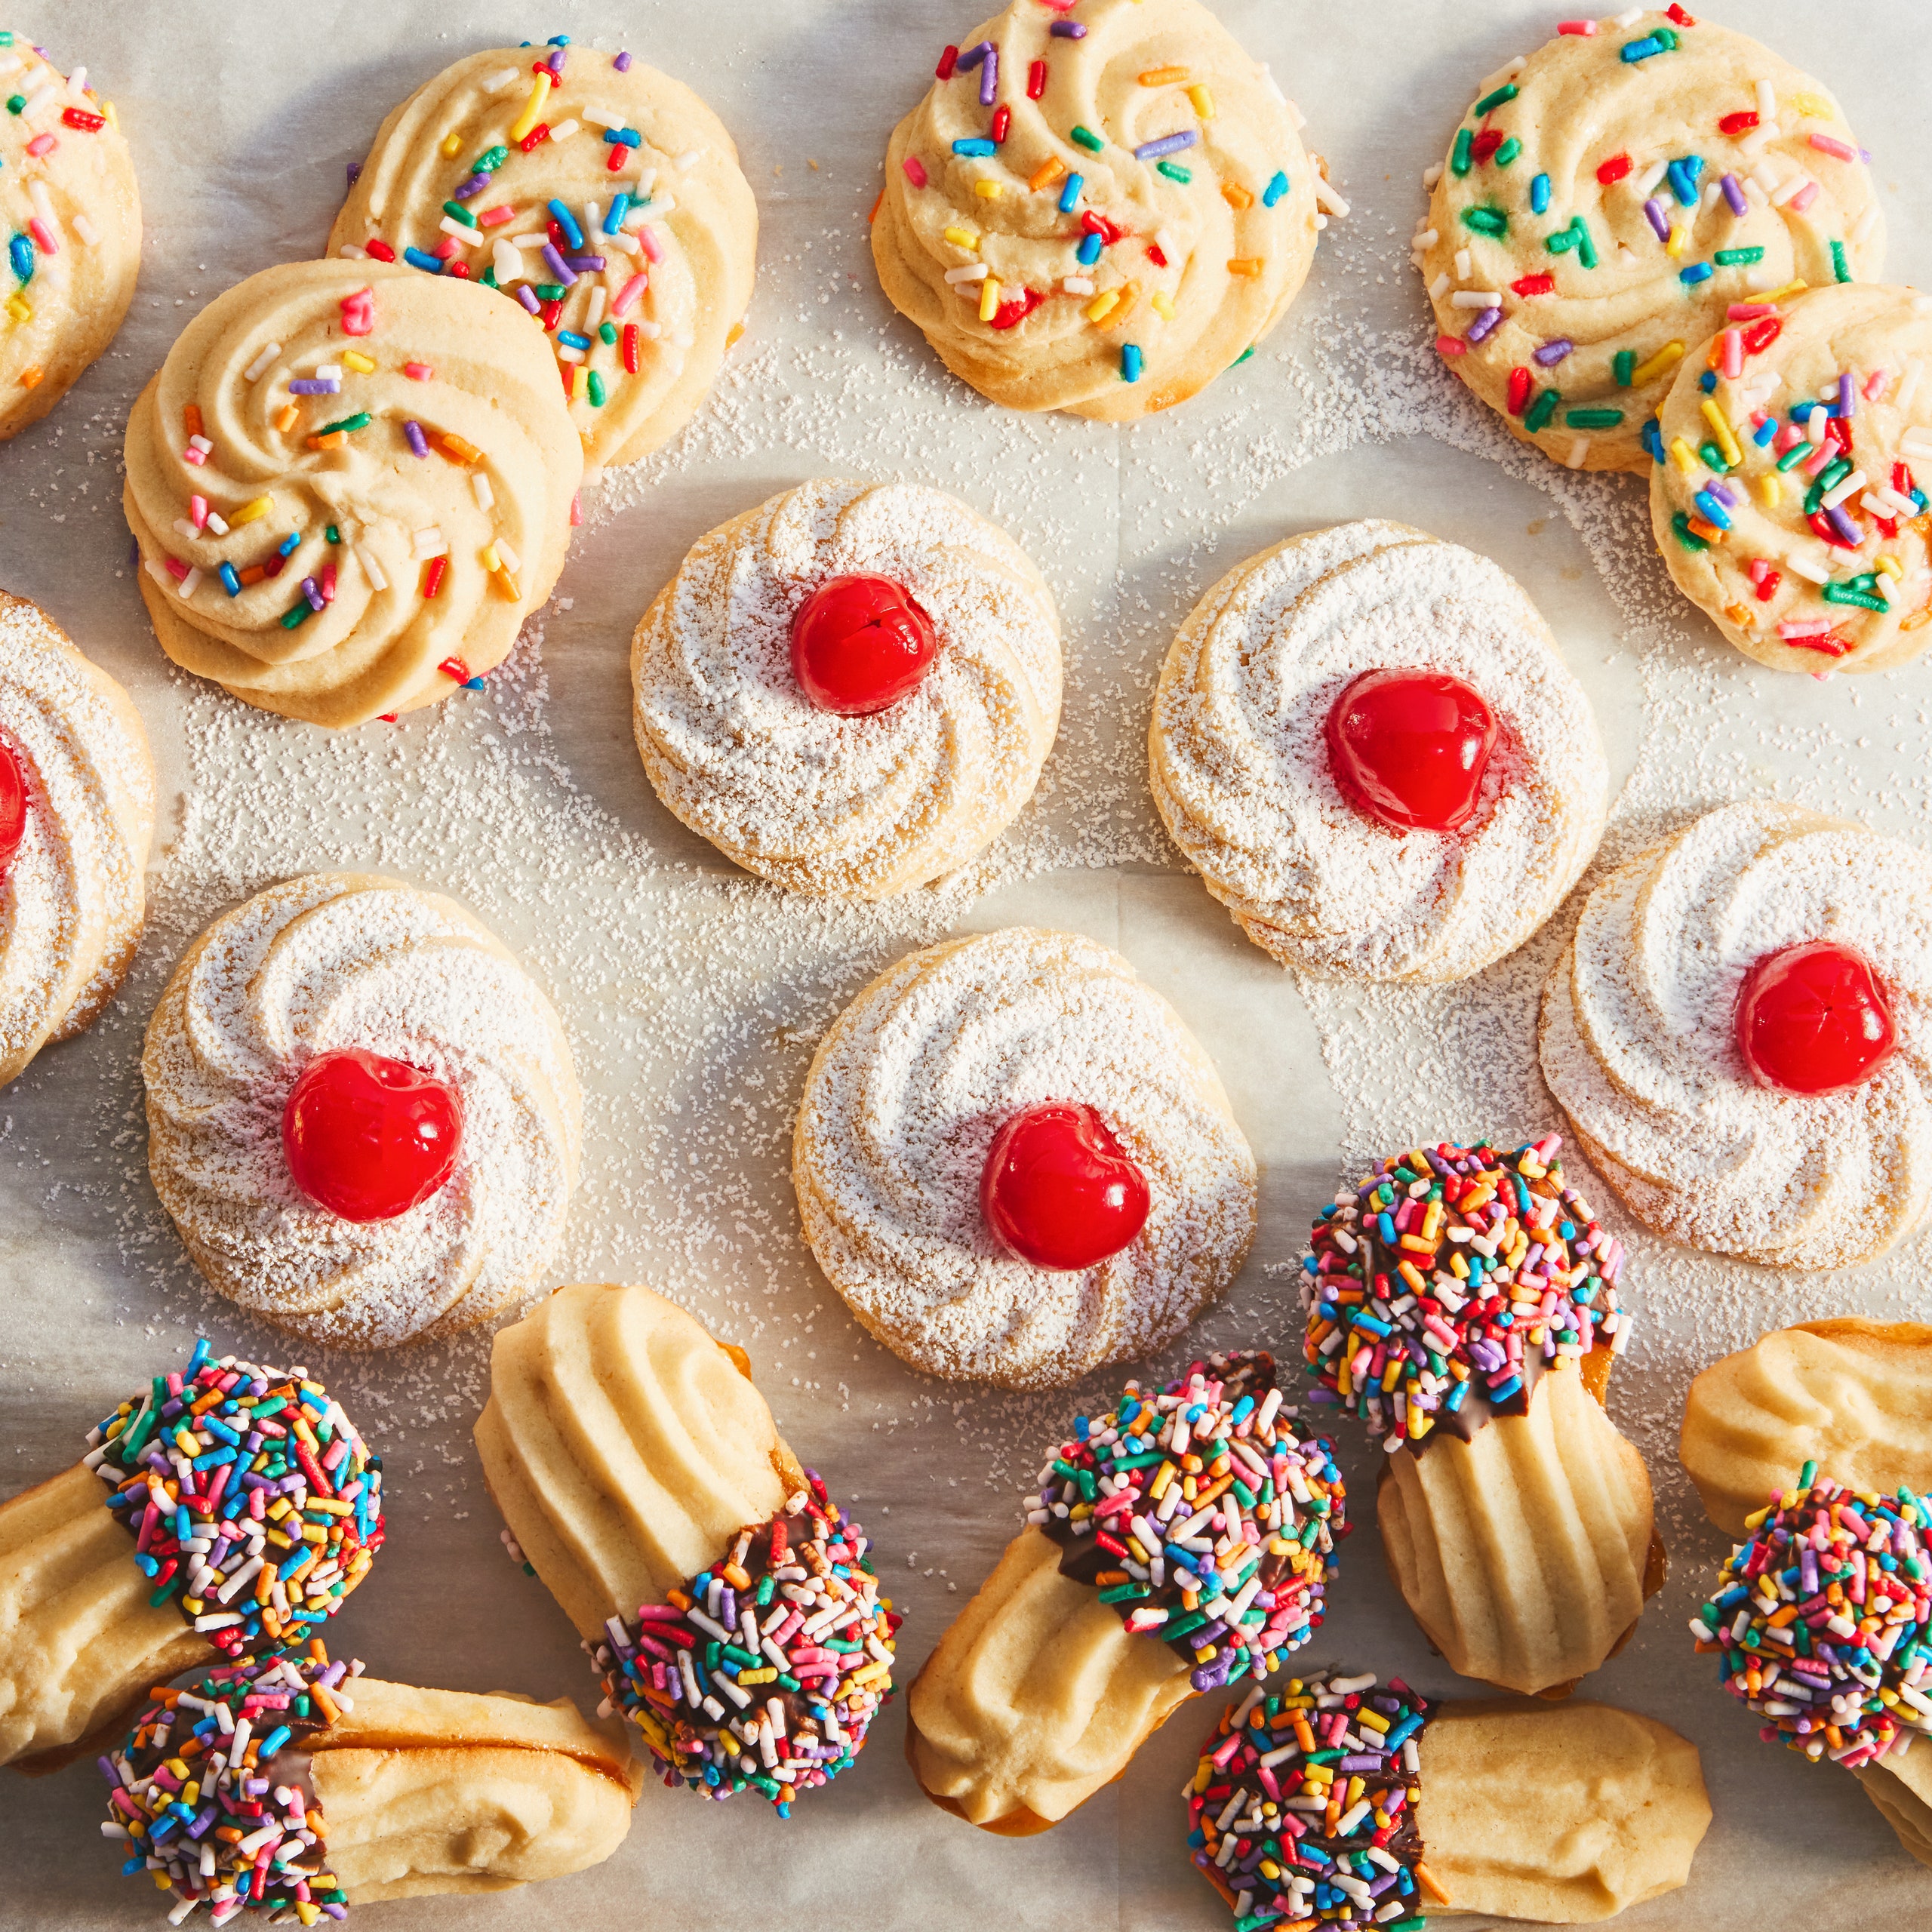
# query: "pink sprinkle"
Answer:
x=1821 y=676
x=1790 y=437
x=1586 y=28
x=577 y=511
x=915 y=170
x=176 y=569
x=1821 y=460
x=1747 y=312
x=1831 y=144
x=628 y=294
x=1059 y=6
x=495 y=217
x=198 y=511
x=324 y=583
x=419 y=372
x=1450 y=345
x=653 y=248
x=197 y=457
x=41 y=233
x=1793 y=627
x=445 y=248
x=1875 y=387
x=1759 y=569
x=42 y=144
x=1805 y=196
x=359 y=312
x=1733 y=354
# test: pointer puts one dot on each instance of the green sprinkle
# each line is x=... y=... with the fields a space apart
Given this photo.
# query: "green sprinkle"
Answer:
x=1586 y=247
x=1688 y=537
x=1174 y=172
x=334 y=536
x=487 y=279
x=1242 y=357
x=1840 y=266
x=1624 y=363
x=1542 y=410
x=549 y=291
x=1738 y=258
x=1714 y=459
x=1664 y=35
x=461 y=213
x=1798 y=452
x=1460 y=159
x=1490 y=103
x=489 y=161
x=1179 y=1626
x=1487 y=221
x=1594 y=419
x=1833 y=474
x=1125 y=1593
x=1085 y=137
x=360 y=420
x=295 y=618
x=607 y=334
x=1507 y=151
x=6 y=38
x=1808 y=1475
x=596 y=386
x=1323 y=1758
x=15 y=101
x=1843 y=593
x=1561 y=242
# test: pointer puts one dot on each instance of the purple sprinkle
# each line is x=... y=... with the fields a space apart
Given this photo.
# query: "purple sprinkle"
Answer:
x=972 y=57
x=1734 y=194
x=1067 y=30
x=1485 y=325
x=1724 y=493
x=525 y=295
x=474 y=185
x=1659 y=217
x=990 y=76
x=585 y=264
x=1552 y=353
x=419 y=443
x=556 y=63
x=621 y=63
x=560 y=270
x=314 y=595
x=315 y=386
x=1166 y=144
x=1847 y=404
x=354 y=172
x=107 y=1769
x=1844 y=525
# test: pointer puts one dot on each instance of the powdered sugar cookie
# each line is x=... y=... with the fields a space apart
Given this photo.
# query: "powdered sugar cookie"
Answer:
x=1737 y=1034
x=1789 y=509
x=1016 y=1163
x=1366 y=741
x=1097 y=214
x=1608 y=200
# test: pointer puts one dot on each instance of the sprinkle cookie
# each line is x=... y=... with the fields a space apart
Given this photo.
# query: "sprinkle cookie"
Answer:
x=1610 y=202
x=1097 y=213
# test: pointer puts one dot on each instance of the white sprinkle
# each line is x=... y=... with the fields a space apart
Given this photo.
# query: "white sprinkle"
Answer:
x=259 y=367
x=689 y=159
x=1074 y=284
x=511 y=560
x=1628 y=18
x=1579 y=450
x=973 y=271
x=1866 y=223
x=370 y=569
x=1812 y=568
x=564 y=130
x=496 y=82
x=217 y=525
x=479 y=487
x=1330 y=202
x=353 y=254
x=1439 y=287
x=1432 y=174
x=1475 y=298
x=1767 y=101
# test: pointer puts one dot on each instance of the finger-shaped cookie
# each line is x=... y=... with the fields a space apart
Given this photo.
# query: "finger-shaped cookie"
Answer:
x=240 y=1507
x=1330 y=1801
x=1177 y=1543
x=302 y=1786
x=1463 y=1301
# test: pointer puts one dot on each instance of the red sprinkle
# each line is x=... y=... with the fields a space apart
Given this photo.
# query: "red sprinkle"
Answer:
x=1535 y=285
x=948 y=61
x=1829 y=642
x=1098 y=224
x=1010 y=314
x=1154 y=255
x=618 y=152
x=547 y=313
x=1760 y=336
x=1825 y=527
x=632 y=354
x=380 y=250
x=1614 y=169
x=1767 y=585
x=78 y=117
x=1486 y=144
x=1682 y=19
x=537 y=135
x=1036 y=80
x=454 y=667
x=1520 y=384
x=433 y=574
x=1738 y=123
x=1451 y=345
x=1002 y=120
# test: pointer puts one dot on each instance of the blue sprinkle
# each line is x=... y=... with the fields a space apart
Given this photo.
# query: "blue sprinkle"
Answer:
x=978 y=145
x=19 y=252
x=417 y=258
x=230 y=582
x=1274 y=190
x=1130 y=363
x=1697 y=272
x=1089 y=250
x=1070 y=193
x=1540 y=195
x=615 y=220
x=286 y=548
x=560 y=213
x=1634 y=51
x=570 y=339
x=1714 y=512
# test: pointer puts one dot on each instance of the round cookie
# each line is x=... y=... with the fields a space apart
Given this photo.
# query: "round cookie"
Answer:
x=1241 y=771
x=350 y=483
x=1789 y=507
x=640 y=283
x=857 y=807
x=1639 y=1038
x=77 y=788
x=70 y=205
x=905 y=1098
x=341 y=962
x=1607 y=200
x=1097 y=214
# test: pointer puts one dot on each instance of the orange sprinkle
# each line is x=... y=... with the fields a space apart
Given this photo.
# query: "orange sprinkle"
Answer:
x=1919 y=620
x=1709 y=532
x=507 y=584
x=876 y=206
x=254 y=574
x=737 y=330
x=1161 y=77
x=1129 y=294
x=1235 y=196
x=286 y=418
x=1247 y=265
x=1049 y=171
x=334 y=440
x=30 y=378
x=456 y=449
x=190 y=419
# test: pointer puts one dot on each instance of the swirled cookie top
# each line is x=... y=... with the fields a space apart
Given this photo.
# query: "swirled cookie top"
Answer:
x=350 y=482
x=1606 y=203
x=604 y=197
x=1086 y=200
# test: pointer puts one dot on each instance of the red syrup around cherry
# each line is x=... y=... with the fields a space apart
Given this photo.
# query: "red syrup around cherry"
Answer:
x=1409 y=749
x=1814 y=1018
x=1058 y=1191
x=369 y=1138
x=859 y=644
x=13 y=807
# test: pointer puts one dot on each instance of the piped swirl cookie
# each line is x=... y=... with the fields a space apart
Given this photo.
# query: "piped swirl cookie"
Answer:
x=363 y=1116
x=77 y=803
x=1016 y=1163
x=1735 y=1035
x=1786 y=499
x=350 y=483
x=1097 y=214
x=1366 y=741
x=1607 y=201
x=1463 y=1301
x=72 y=212
x=849 y=690
x=602 y=196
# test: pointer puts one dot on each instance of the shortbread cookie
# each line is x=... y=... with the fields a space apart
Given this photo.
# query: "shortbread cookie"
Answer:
x=362 y=1113
x=1517 y=1522
x=1811 y=938
x=1607 y=201
x=71 y=208
x=907 y=1107
x=358 y=1790
x=77 y=801
x=1082 y=1642
x=350 y=484
x=1098 y=214
x=1366 y=741
x=1440 y=1823
x=766 y=724
x=1902 y=1789
x=602 y=196
x=1789 y=510
x=99 y=1595
x=1854 y=1396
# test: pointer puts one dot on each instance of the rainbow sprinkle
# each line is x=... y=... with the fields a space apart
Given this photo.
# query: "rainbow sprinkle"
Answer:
x=1200 y=1515
x=254 y=1505
x=1823 y=1620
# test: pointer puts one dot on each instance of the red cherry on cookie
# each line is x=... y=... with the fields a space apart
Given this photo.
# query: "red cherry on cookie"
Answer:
x=1814 y=1018
x=13 y=807
x=369 y=1138
x=1059 y=1192
x=1409 y=748
x=860 y=644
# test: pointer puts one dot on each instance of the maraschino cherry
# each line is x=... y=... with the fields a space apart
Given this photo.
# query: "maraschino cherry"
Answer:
x=1058 y=1190
x=369 y=1138
x=1814 y=1018
x=860 y=644
x=1409 y=749
x=13 y=807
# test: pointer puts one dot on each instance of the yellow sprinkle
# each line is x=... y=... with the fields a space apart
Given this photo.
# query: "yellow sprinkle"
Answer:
x=354 y=359
x=1049 y=171
x=1686 y=457
x=1164 y=304
x=579 y=383
x=1721 y=427
x=507 y=583
x=1247 y=265
x=491 y=561
x=1645 y=372
x=766 y=1675
x=1771 y=490
x=1235 y=196
x=963 y=238
x=1161 y=77
x=18 y=307
x=453 y=144
x=1890 y=565
x=1103 y=305
x=248 y=513
x=737 y=330
x=986 y=190
x=527 y=120
x=1811 y=107
x=1790 y=288
x=1679 y=234
x=989 y=298
x=1203 y=100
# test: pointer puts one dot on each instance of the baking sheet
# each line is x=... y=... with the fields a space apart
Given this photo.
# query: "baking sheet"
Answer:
x=694 y=996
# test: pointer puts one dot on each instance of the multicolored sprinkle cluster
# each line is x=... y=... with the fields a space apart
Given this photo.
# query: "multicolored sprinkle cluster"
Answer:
x=254 y=1505
x=1822 y=1615
x=1302 y=1808
x=201 y=1796
x=1441 y=1290
x=1201 y=1516
x=768 y=1670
